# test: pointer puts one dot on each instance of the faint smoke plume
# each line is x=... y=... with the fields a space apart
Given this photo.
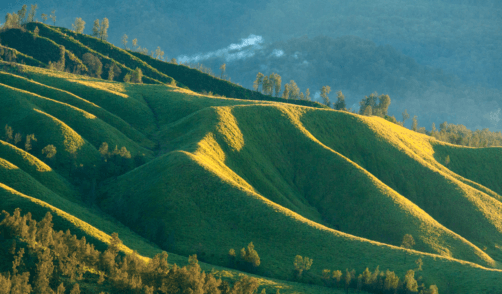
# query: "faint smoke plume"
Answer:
x=494 y=116
x=246 y=48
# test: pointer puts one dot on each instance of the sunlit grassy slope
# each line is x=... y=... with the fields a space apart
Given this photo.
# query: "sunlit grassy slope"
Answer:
x=337 y=187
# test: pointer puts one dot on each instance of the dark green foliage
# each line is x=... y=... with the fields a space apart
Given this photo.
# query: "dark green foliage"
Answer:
x=137 y=75
x=250 y=255
x=127 y=78
x=302 y=264
x=28 y=145
x=392 y=119
x=58 y=261
x=113 y=69
x=375 y=282
x=340 y=103
x=375 y=105
x=93 y=64
x=8 y=134
x=460 y=135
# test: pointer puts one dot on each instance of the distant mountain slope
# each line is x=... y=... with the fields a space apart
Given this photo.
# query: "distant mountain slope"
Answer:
x=216 y=173
x=359 y=67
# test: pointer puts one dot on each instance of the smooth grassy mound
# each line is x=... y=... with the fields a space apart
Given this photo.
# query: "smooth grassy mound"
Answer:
x=237 y=174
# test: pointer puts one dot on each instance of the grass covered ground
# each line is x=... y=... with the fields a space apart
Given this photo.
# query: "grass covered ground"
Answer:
x=218 y=173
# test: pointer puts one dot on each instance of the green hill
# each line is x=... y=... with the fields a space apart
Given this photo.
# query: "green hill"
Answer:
x=196 y=173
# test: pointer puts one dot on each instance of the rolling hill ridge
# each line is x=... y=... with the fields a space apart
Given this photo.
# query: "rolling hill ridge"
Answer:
x=201 y=173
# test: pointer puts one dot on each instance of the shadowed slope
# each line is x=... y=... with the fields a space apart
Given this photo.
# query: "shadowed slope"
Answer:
x=405 y=161
x=213 y=188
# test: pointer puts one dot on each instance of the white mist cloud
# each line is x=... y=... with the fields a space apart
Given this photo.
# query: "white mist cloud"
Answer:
x=317 y=96
x=277 y=53
x=245 y=49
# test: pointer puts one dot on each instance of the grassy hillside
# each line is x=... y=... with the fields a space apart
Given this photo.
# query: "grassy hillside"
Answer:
x=207 y=174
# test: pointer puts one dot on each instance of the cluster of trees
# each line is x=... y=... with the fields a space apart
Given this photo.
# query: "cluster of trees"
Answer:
x=113 y=163
x=49 y=151
x=95 y=68
x=455 y=134
x=100 y=30
x=376 y=282
x=271 y=85
x=60 y=64
x=23 y=16
x=8 y=54
x=37 y=258
x=249 y=260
